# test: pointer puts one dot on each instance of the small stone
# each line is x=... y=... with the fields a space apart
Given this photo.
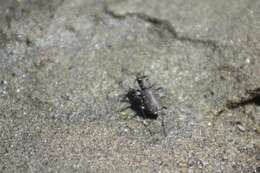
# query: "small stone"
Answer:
x=247 y=60
x=3 y=88
x=257 y=157
x=145 y=122
x=257 y=130
x=241 y=128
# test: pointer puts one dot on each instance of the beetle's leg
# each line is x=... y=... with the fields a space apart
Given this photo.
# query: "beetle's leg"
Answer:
x=162 y=113
x=135 y=115
x=146 y=125
x=141 y=76
x=143 y=113
x=161 y=110
x=130 y=93
x=163 y=96
x=149 y=130
x=161 y=92
x=158 y=89
x=124 y=99
x=163 y=126
x=152 y=86
x=164 y=108
x=125 y=108
x=134 y=91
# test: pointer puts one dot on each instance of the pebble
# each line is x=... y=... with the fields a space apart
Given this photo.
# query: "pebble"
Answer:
x=257 y=130
x=257 y=157
x=241 y=128
x=3 y=87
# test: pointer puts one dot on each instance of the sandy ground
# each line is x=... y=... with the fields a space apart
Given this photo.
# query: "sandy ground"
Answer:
x=65 y=65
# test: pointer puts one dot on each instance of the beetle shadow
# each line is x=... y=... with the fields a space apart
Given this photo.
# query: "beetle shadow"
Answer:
x=136 y=104
x=253 y=98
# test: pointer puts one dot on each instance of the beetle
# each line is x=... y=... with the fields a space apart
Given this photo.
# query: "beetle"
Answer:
x=151 y=100
x=145 y=101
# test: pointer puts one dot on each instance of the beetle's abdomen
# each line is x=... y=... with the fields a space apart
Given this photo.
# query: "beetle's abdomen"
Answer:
x=151 y=101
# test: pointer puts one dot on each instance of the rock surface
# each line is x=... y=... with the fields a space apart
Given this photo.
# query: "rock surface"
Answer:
x=64 y=66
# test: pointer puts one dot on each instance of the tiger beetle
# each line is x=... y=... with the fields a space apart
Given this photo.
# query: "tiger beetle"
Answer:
x=145 y=101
